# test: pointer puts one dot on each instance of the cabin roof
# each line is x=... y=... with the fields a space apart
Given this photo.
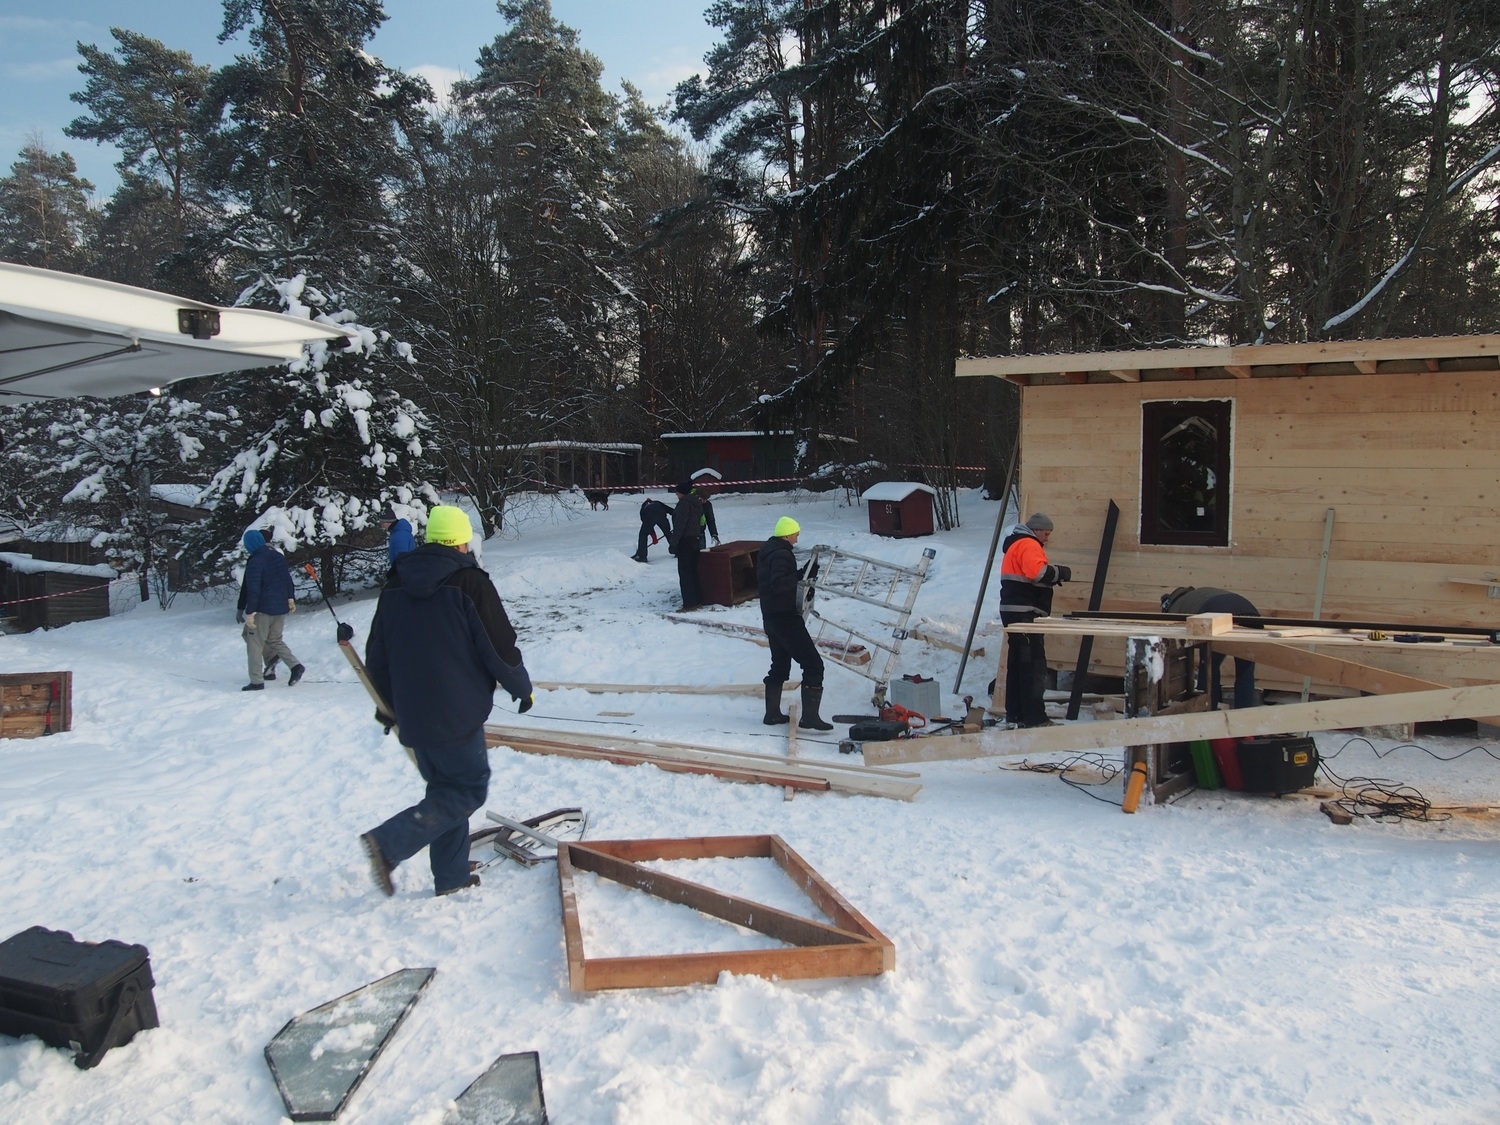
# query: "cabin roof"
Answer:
x=1244 y=361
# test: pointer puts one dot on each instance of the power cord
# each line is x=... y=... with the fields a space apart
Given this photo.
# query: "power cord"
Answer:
x=1107 y=770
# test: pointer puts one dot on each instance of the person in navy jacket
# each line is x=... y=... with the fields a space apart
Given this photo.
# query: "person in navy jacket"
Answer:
x=266 y=597
x=439 y=644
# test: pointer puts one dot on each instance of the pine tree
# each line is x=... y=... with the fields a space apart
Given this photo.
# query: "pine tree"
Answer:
x=307 y=150
x=45 y=218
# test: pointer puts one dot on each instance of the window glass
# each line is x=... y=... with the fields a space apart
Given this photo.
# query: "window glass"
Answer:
x=1185 y=472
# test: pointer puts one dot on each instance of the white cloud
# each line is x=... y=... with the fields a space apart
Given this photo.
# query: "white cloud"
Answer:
x=43 y=71
x=440 y=78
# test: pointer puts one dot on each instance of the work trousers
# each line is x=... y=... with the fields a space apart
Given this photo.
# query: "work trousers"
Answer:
x=647 y=529
x=790 y=641
x=1025 y=679
x=687 y=571
x=458 y=780
x=1244 y=682
x=263 y=644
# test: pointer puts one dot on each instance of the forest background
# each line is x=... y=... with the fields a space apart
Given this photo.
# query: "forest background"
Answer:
x=850 y=195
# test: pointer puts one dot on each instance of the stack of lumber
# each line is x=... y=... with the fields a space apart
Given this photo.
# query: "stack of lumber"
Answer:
x=732 y=765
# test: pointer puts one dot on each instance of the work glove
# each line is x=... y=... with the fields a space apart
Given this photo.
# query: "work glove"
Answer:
x=250 y=621
x=239 y=617
x=524 y=705
x=291 y=605
x=716 y=540
x=345 y=633
x=671 y=550
x=384 y=720
x=1064 y=574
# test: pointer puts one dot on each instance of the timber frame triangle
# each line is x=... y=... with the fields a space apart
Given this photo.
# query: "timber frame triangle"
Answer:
x=851 y=947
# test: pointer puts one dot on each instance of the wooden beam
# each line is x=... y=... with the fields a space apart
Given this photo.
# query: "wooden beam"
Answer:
x=790 y=928
x=1366 y=366
x=1327 y=669
x=1328 y=714
x=1347 y=352
x=1126 y=374
x=1239 y=370
x=658 y=689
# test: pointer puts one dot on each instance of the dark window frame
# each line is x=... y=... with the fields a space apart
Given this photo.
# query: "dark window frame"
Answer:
x=1158 y=419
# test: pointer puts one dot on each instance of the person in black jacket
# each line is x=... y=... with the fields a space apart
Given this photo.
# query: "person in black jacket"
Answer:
x=777 y=575
x=687 y=541
x=1211 y=599
x=438 y=645
x=654 y=516
x=267 y=595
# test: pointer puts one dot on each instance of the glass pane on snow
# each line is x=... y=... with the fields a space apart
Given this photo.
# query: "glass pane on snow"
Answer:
x=509 y=1093
x=320 y=1057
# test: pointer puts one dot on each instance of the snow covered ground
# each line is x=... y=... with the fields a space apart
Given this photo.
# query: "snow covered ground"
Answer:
x=1224 y=958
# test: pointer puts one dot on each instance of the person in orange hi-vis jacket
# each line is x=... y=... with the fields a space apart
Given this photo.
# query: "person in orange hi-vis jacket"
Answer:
x=1026 y=583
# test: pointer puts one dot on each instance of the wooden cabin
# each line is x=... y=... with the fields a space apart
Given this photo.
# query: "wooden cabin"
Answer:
x=900 y=509
x=1231 y=464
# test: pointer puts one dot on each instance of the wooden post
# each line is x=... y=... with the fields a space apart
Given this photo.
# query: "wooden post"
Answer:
x=791 y=745
x=1096 y=596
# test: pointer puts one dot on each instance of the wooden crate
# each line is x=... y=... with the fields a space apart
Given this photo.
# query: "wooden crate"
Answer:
x=35 y=703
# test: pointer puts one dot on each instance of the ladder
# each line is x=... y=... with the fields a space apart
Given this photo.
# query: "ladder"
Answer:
x=859 y=578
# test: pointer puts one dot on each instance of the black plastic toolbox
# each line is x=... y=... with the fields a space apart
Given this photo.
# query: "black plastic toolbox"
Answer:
x=1277 y=765
x=86 y=995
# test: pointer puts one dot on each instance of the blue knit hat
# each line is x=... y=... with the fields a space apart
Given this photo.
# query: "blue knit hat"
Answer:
x=253 y=540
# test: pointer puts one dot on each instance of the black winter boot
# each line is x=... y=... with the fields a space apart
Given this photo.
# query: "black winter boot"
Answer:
x=774 y=717
x=812 y=698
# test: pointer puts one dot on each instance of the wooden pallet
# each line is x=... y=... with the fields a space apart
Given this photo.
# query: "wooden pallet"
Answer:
x=849 y=947
x=35 y=703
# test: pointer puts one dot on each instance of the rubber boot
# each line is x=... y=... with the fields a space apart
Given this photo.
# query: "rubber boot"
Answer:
x=774 y=717
x=812 y=697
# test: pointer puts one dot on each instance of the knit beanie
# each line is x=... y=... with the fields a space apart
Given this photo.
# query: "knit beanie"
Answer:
x=1040 y=521
x=449 y=526
x=253 y=540
x=786 y=526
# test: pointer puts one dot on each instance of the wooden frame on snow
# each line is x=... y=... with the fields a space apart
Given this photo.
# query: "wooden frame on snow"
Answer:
x=850 y=947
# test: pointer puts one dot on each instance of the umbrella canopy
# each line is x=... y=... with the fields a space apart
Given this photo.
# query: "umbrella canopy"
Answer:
x=62 y=335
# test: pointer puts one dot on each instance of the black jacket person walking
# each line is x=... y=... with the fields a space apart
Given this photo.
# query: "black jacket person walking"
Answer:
x=687 y=541
x=439 y=644
x=777 y=575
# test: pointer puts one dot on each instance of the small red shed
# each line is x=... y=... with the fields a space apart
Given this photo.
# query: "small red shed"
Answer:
x=900 y=509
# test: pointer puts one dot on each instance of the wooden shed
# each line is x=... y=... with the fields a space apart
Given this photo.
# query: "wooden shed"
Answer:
x=1231 y=465
x=900 y=509
x=38 y=593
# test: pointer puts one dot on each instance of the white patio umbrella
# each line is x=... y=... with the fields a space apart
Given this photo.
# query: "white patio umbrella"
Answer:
x=62 y=335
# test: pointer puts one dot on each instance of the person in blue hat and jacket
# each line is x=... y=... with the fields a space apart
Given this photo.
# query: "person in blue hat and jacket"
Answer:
x=267 y=596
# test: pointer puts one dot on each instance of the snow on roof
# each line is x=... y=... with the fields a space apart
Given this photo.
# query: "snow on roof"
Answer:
x=184 y=494
x=25 y=564
x=707 y=473
x=895 y=490
x=748 y=434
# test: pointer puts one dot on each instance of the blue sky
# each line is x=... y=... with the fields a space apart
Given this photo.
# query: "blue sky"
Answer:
x=652 y=43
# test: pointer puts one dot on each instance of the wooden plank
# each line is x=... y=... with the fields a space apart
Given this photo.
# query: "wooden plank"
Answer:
x=779 y=924
x=572 y=930
x=1332 y=714
x=681 y=969
x=731 y=765
x=1209 y=624
x=827 y=898
x=497 y=732
x=626 y=758
x=1327 y=669
x=791 y=745
x=657 y=689
x=688 y=847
